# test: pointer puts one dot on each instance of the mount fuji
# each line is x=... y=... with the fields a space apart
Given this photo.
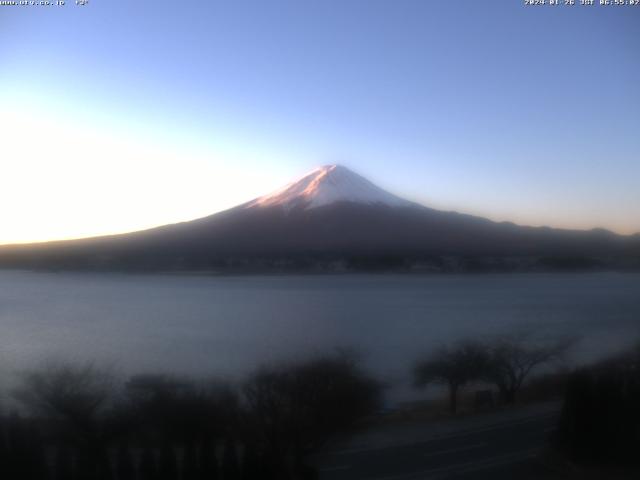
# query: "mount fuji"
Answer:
x=327 y=185
x=333 y=219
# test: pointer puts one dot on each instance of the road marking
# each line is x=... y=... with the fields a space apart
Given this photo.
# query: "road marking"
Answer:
x=455 y=450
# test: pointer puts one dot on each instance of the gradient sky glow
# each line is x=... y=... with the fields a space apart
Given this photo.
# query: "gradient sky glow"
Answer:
x=123 y=115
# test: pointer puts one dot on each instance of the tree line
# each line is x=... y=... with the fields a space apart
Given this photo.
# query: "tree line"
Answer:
x=505 y=362
x=77 y=422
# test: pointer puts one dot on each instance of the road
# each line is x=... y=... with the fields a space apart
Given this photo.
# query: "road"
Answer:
x=494 y=447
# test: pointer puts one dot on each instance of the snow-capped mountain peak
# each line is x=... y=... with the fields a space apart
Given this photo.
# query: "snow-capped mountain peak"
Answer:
x=326 y=185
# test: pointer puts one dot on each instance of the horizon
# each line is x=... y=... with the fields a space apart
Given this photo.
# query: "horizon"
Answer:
x=278 y=190
x=117 y=126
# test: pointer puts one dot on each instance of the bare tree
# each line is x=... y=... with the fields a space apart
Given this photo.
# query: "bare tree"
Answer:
x=74 y=397
x=513 y=358
x=293 y=410
x=76 y=394
x=453 y=366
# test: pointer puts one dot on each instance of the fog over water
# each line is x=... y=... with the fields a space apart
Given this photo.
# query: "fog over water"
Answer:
x=227 y=326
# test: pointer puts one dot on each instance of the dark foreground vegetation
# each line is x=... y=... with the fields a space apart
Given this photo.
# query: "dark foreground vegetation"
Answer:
x=504 y=363
x=600 y=420
x=79 y=423
x=71 y=422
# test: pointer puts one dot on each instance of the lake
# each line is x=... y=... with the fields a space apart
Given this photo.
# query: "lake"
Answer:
x=227 y=326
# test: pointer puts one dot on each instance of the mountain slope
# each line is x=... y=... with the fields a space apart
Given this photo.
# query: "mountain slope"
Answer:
x=332 y=219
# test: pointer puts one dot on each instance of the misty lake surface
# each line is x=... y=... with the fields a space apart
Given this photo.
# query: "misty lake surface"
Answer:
x=227 y=326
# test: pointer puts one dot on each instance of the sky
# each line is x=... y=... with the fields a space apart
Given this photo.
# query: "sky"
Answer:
x=119 y=115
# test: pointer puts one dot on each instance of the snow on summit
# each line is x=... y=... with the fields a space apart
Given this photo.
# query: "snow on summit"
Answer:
x=326 y=185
